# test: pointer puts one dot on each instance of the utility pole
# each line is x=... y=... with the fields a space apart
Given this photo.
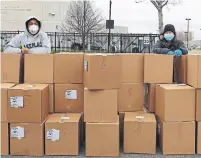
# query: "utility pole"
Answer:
x=84 y=25
x=188 y=19
x=110 y=12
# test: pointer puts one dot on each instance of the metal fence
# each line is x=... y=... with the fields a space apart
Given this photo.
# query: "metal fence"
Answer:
x=94 y=42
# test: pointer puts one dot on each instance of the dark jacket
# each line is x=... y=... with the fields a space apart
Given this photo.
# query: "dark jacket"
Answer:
x=163 y=46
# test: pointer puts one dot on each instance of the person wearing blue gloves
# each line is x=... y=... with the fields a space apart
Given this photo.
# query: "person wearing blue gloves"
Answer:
x=169 y=44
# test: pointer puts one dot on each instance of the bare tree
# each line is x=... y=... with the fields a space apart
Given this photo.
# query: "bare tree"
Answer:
x=82 y=17
x=159 y=5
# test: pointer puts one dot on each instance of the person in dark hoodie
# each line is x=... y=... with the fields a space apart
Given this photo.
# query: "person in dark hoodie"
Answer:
x=169 y=44
x=32 y=41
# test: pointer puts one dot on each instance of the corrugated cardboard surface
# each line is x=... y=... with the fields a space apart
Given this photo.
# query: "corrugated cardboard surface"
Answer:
x=4 y=100
x=63 y=104
x=199 y=138
x=158 y=68
x=198 y=105
x=35 y=103
x=33 y=142
x=132 y=68
x=151 y=98
x=10 y=68
x=139 y=128
x=175 y=102
x=194 y=70
x=100 y=105
x=4 y=139
x=69 y=134
x=177 y=138
x=181 y=69
x=102 y=139
x=68 y=68
x=131 y=97
x=102 y=71
x=51 y=98
x=38 y=68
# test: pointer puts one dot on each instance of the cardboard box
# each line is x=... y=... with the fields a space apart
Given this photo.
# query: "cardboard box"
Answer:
x=151 y=97
x=27 y=139
x=194 y=71
x=139 y=129
x=198 y=104
x=102 y=139
x=131 y=97
x=28 y=103
x=4 y=139
x=102 y=71
x=177 y=138
x=10 y=68
x=158 y=68
x=51 y=98
x=38 y=68
x=121 y=122
x=100 y=105
x=132 y=68
x=175 y=102
x=199 y=138
x=4 y=100
x=68 y=68
x=69 y=98
x=62 y=134
x=181 y=69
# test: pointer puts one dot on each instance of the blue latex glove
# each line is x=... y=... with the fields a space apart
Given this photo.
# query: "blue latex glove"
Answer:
x=171 y=53
x=178 y=52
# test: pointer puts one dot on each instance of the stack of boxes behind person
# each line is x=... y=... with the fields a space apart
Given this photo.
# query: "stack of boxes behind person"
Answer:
x=131 y=96
x=102 y=79
x=10 y=76
x=194 y=79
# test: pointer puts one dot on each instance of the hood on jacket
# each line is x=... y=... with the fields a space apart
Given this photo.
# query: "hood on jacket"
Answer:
x=33 y=18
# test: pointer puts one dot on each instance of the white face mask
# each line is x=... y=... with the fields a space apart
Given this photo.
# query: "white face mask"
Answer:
x=33 y=29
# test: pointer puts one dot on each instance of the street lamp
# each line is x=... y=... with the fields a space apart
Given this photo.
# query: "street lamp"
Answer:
x=188 y=19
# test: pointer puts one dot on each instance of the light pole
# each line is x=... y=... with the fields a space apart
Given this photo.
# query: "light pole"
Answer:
x=188 y=19
x=110 y=12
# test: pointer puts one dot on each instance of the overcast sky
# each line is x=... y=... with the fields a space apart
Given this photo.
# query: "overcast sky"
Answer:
x=143 y=17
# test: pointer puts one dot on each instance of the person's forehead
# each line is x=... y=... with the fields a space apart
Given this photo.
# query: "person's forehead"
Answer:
x=33 y=21
x=169 y=32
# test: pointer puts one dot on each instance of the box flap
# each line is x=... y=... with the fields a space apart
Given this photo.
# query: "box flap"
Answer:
x=63 y=117
x=139 y=117
x=7 y=85
x=175 y=86
x=30 y=86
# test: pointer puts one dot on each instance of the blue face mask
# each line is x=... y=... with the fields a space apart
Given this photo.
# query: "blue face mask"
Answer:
x=169 y=37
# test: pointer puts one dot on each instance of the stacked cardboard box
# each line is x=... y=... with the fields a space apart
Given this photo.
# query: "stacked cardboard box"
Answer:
x=194 y=79
x=102 y=78
x=62 y=134
x=175 y=107
x=139 y=128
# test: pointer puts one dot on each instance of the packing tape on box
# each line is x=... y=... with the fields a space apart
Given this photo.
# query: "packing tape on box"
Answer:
x=139 y=117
